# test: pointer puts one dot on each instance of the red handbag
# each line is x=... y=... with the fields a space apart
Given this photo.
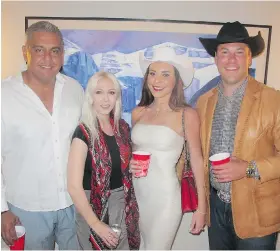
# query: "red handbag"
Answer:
x=189 y=199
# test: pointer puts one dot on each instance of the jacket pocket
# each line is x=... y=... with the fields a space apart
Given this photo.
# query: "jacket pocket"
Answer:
x=267 y=200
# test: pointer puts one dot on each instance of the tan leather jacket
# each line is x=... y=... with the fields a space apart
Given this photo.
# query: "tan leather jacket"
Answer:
x=255 y=203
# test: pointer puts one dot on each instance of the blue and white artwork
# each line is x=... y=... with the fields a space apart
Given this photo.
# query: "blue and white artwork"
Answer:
x=90 y=51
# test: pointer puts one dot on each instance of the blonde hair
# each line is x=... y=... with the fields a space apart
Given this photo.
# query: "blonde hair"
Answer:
x=89 y=115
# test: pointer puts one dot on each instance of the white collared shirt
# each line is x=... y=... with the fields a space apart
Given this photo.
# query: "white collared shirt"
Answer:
x=35 y=144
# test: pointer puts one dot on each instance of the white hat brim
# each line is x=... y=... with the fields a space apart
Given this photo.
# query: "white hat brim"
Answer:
x=182 y=64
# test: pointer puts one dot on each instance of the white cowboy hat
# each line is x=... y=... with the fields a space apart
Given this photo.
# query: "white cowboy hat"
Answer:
x=168 y=55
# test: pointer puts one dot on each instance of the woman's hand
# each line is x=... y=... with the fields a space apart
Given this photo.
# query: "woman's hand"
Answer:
x=134 y=167
x=109 y=237
x=198 y=222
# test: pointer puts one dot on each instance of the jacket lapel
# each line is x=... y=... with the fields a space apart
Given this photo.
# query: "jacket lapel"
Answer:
x=209 y=114
x=251 y=94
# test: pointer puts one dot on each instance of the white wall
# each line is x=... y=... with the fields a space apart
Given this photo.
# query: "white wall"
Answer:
x=13 y=13
x=261 y=13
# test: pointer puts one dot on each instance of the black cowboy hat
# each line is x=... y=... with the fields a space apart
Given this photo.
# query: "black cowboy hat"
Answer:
x=234 y=33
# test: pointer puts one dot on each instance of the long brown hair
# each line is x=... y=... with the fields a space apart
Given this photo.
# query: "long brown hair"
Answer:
x=177 y=99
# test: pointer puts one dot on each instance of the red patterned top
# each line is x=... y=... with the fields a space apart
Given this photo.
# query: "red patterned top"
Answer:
x=101 y=172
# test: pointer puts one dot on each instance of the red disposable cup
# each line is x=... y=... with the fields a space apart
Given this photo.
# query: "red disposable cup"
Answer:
x=19 y=242
x=144 y=160
x=219 y=159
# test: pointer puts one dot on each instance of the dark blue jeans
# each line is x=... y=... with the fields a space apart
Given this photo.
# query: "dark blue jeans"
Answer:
x=222 y=235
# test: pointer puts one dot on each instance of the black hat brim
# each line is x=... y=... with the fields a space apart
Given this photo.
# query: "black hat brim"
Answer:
x=256 y=44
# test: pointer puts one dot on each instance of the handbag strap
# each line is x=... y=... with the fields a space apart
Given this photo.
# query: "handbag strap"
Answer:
x=186 y=166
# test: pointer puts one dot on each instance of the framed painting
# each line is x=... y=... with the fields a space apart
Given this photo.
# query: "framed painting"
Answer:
x=114 y=45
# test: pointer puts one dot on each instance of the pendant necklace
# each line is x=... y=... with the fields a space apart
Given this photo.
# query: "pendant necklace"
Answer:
x=157 y=112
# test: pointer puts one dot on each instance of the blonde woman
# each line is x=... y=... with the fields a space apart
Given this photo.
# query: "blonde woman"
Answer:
x=99 y=181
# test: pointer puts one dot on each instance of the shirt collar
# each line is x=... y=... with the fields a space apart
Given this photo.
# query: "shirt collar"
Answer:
x=237 y=93
x=60 y=78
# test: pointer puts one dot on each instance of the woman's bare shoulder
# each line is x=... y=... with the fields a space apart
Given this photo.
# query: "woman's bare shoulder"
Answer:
x=190 y=113
x=191 y=116
x=137 y=113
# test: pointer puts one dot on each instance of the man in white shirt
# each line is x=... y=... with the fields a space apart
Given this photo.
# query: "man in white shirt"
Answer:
x=40 y=110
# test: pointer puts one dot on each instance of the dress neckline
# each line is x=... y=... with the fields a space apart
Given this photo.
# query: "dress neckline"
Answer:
x=163 y=126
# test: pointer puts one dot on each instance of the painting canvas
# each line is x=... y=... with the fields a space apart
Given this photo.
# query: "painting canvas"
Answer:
x=114 y=45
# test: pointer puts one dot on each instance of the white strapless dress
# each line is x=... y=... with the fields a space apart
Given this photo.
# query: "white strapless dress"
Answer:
x=158 y=194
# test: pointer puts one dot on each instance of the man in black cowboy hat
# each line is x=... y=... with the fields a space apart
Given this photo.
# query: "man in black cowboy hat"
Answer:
x=242 y=117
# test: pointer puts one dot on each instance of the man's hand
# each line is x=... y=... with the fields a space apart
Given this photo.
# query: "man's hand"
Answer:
x=8 y=223
x=233 y=170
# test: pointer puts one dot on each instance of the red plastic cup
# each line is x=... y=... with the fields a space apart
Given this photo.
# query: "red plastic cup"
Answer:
x=19 y=242
x=144 y=160
x=219 y=159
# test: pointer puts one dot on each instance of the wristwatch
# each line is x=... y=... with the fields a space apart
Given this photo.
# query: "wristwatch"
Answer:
x=250 y=171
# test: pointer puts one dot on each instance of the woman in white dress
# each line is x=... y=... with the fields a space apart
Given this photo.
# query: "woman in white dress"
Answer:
x=157 y=128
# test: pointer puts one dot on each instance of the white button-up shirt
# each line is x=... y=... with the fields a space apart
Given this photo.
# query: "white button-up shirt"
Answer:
x=35 y=144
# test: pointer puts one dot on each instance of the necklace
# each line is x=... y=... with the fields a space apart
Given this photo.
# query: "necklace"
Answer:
x=229 y=99
x=158 y=111
x=239 y=91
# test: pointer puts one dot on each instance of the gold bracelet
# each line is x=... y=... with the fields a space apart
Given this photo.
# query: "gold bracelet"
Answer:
x=197 y=210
